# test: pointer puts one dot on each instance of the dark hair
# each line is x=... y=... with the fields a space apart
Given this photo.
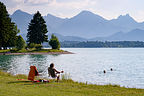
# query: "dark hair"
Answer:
x=52 y=65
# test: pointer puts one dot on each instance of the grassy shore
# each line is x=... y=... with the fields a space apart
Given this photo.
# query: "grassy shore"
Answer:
x=19 y=86
x=33 y=51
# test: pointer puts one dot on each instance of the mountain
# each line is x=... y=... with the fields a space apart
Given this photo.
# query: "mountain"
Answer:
x=22 y=20
x=88 y=25
x=126 y=23
x=85 y=25
x=134 y=35
x=53 y=23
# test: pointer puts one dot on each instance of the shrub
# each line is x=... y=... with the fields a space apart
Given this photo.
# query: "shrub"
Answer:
x=33 y=45
x=38 y=46
x=54 y=42
x=20 y=43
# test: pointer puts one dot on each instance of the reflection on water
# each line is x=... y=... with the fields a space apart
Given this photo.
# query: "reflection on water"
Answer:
x=86 y=65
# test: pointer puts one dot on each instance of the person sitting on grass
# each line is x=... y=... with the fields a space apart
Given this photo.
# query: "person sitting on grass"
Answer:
x=53 y=72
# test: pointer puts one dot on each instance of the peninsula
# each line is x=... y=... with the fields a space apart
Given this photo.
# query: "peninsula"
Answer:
x=34 y=52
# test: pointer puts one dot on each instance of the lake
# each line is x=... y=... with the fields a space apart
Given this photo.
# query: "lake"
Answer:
x=86 y=65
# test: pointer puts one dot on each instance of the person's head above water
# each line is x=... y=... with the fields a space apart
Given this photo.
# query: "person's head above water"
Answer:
x=52 y=65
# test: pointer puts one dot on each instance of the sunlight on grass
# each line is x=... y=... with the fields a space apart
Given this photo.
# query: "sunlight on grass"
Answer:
x=2 y=51
x=19 y=86
x=30 y=50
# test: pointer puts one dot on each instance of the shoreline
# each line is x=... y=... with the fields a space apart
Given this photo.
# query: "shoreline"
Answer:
x=37 y=53
x=86 y=83
x=19 y=85
x=4 y=71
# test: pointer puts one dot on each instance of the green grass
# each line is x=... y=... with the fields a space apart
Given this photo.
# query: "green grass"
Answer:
x=3 y=51
x=31 y=50
x=11 y=86
x=48 y=50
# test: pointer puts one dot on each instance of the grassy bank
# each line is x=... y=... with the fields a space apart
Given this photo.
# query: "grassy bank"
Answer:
x=33 y=51
x=30 y=50
x=14 y=86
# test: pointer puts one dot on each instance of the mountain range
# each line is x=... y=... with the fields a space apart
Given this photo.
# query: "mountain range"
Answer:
x=85 y=26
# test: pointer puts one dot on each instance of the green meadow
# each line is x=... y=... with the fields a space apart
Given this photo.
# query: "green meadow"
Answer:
x=19 y=86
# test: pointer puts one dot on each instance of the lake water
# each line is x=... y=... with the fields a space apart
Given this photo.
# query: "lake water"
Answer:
x=86 y=65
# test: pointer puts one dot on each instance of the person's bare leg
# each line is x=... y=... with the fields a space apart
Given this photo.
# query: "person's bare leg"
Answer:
x=58 y=78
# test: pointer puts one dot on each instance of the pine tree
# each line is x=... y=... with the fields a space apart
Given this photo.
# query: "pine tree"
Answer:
x=54 y=42
x=7 y=28
x=37 y=30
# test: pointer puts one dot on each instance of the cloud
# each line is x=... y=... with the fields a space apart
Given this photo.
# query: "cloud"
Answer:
x=68 y=8
x=62 y=8
x=73 y=3
x=57 y=5
x=37 y=2
x=17 y=1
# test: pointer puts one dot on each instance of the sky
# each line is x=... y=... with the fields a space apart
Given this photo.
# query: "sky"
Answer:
x=109 y=9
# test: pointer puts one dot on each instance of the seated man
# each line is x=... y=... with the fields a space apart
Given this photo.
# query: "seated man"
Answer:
x=53 y=72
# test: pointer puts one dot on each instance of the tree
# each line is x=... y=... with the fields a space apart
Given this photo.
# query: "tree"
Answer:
x=20 y=42
x=8 y=29
x=54 y=42
x=13 y=40
x=37 y=30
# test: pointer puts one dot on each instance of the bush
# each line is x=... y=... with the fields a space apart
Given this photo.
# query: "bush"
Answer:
x=54 y=42
x=38 y=46
x=13 y=50
x=33 y=45
x=20 y=43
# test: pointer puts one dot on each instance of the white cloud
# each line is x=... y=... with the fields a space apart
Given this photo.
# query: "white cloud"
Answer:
x=72 y=4
x=139 y=16
x=67 y=7
x=70 y=8
x=17 y=1
x=37 y=2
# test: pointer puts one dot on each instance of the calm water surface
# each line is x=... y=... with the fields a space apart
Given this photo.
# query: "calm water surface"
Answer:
x=86 y=65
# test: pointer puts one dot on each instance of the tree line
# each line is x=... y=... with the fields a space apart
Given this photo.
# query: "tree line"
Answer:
x=100 y=44
x=37 y=32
